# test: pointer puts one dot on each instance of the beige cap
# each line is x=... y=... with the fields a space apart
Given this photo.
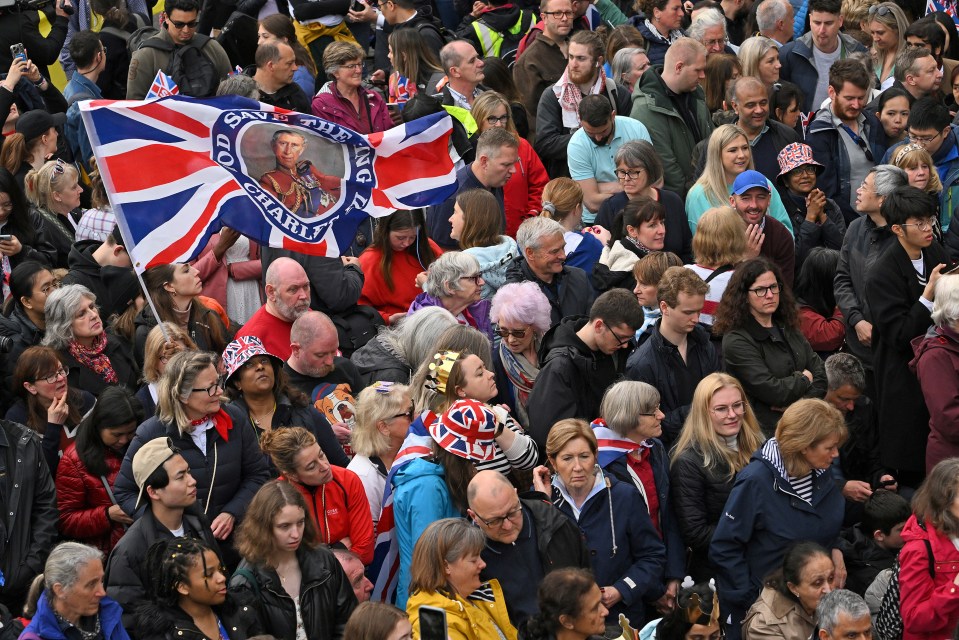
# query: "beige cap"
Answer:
x=148 y=459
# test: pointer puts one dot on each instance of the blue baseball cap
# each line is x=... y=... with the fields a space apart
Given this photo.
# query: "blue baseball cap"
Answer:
x=749 y=179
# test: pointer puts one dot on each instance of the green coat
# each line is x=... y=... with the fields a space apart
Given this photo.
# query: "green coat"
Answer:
x=671 y=137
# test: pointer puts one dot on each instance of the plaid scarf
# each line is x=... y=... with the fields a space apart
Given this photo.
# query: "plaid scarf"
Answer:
x=570 y=96
x=94 y=358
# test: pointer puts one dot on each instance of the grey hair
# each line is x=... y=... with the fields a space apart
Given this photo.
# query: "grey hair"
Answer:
x=623 y=62
x=640 y=153
x=532 y=231
x=491 y=141
x=888 y=179
x=177 y=382
x=65 y=563
x=443 y=276
x=769 y=13
x=624 y=401
x=413 y=338
x=60 y=310
x=843 y=369
x=706 y=19
x=239 y=85
x=945 y=310
x=450 y=56
x=838 y=602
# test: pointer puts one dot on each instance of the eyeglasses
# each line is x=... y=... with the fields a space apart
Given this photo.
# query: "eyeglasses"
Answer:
x=495 y=120
x=408 y=414
x=620 y=341
x=923 y=139
x=723 y=409
x=184 y=25
x=494 y=523
x=212 y=389
x=475 y=278
x=519 y=334
x=7 y=206
x=879 y=11
x=562 y=15
x=626 y=174
x=50 y=286
x=653 y=413
x=925 y=225
x=719 y=42
x=353 y=66
x=760 y=292
x=806 y=169
x=62 y=372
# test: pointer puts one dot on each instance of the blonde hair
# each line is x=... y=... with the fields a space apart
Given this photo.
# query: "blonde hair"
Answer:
x=564 y=194
x=909 y=156
x=154 y=347
x=40 y=184
x=485 y=104
x=713 y=180
x=804 y=424
x=720 y=238
x=895 y=19
x=698 y=433
x=376 y=403
x=176 y=384
x=752 y=51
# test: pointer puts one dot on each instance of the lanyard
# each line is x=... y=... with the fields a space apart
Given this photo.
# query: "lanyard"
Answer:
x=859 y=141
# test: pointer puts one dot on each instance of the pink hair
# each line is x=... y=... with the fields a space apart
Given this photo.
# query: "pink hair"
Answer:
x=521 y=303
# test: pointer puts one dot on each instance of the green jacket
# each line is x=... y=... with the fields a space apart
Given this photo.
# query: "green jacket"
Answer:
x=671 y=137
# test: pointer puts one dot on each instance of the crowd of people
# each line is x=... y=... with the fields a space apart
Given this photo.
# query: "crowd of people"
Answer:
x=677 y=359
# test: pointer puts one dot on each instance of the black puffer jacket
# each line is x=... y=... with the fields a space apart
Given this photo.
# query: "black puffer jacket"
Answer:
x=326 y=597
x=156 y=622
x=203 y=327
x=569 y=295
x=24 y=334
x=377 y=361
x=699 y=495
x=572 y=380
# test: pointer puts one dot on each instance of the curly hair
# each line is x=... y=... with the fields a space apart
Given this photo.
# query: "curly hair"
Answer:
x=734 y=310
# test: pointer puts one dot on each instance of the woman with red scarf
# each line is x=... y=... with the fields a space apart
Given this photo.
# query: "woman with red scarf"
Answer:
x=93 y=357
x=224 y=457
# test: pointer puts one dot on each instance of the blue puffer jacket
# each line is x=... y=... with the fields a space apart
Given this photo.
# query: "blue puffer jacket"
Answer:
x=44 y=625
x=420 y=498
x=763 y=515
x=625 y=551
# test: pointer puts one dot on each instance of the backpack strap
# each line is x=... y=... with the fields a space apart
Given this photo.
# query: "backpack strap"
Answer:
x=718 y=272
x=248 y=575
x=931 y=558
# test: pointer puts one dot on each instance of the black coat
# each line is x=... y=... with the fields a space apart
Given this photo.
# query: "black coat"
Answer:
x=326 y=596
x=770 y=369
x=23 y=335
x=203 y=327
x=117 y=349
x=699 y=495
x=157 y=622
x=893 y=293
x=569 y=295
x=656 y=361
x=124 y=579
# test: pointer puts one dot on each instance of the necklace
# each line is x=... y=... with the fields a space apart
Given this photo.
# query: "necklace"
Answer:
x=256 y=419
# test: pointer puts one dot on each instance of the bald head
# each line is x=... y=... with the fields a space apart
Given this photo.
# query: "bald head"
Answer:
x=747 y=85
x=685 y=65
x=495 y=506
x=313 y=344
x=287 y=289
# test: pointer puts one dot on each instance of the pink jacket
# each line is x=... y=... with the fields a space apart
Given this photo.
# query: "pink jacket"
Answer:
x=330 y=105
x=214 y=274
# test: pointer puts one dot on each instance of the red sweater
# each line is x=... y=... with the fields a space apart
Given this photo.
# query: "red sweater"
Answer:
x=823 y=334
x=341 y=510
x=404 y=267
x=273 y=332
x=523 y=193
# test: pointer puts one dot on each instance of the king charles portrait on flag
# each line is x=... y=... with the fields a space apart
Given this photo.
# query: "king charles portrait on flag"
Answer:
x=299 y=185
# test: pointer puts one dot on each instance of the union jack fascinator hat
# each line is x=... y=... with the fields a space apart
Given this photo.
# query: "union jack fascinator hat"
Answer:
x=467 y=430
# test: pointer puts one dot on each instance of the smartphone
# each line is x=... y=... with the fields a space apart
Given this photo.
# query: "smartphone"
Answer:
x=357 y=6
x=432 y=623
x=18 y=51
x=949 y=268
x=6 y=238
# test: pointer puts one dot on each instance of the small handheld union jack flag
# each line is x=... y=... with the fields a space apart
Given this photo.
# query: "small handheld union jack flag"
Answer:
x=163 y=86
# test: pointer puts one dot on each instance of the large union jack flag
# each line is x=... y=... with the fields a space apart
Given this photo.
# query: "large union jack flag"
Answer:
x=177 y=169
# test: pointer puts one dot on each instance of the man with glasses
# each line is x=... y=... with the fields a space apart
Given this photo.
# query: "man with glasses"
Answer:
x=679 y=352
x=584 y=356
x=544 y=60
x=525 y=540
x=845 y=138
x=930 y=126
x=709 y=28
x=197 y=72
x=901 y=291
x=592 y=150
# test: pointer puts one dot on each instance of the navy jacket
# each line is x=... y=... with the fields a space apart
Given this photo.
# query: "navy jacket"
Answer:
x=799 y=68
x=675 y=568
x=763 y=516
x=438 y=225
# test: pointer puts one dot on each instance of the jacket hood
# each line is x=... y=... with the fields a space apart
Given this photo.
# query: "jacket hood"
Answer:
x=377 y=354
x=935 y=338
x=500 y=18
x=418 y=468
x=81 y=258
x=651 y=83
x=913 y=531
x=621 y=256
x=495 y=256
x=564 y=335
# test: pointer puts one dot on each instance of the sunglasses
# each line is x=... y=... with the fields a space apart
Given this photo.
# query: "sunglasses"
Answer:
x=184 y=25
x=519 y=334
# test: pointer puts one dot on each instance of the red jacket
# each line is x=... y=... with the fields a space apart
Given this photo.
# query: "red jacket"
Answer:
x=346 y=511
x=929 y=605
x=823 y=334
x=523 y=193
x=405 y=266
x=82 y=501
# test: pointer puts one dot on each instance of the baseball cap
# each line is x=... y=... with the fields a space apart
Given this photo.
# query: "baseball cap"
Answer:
x=148 y=459
x=36 y=122
x=749 y=179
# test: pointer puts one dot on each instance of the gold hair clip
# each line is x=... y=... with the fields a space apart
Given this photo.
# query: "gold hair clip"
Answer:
x=440 y=370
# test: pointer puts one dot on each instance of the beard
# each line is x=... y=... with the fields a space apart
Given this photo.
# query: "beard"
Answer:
x=288 y=312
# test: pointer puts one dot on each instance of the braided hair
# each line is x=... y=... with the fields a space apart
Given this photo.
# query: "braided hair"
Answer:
x=560 y=593
x=169 y=563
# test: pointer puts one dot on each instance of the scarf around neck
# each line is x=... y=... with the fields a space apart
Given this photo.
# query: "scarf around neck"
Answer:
x=520 y=371
x=94 y=358
x=569 y=96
